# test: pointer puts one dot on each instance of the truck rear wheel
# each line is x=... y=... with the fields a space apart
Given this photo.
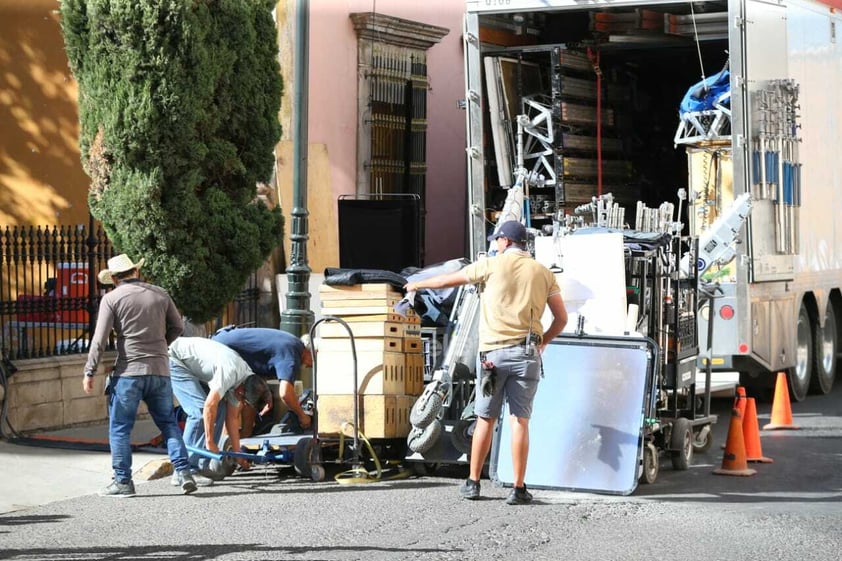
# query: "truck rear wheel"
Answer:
x=800 y=374
x=824 y=353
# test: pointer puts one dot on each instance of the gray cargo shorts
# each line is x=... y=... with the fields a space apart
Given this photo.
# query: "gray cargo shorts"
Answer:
x=518 y=374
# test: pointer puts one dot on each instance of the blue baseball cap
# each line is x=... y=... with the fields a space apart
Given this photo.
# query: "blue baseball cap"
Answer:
x=511 y=230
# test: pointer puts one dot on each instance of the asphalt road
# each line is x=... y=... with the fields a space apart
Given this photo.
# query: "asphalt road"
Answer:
x=791 y=509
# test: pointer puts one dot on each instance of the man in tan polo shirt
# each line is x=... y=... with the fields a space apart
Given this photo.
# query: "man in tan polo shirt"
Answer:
x=511 y=337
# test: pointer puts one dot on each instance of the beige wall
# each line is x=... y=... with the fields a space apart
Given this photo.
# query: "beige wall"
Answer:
x=41 y=178
x=47 y=394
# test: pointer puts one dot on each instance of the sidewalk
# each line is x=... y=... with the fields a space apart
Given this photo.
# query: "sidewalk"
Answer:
x=31 y=476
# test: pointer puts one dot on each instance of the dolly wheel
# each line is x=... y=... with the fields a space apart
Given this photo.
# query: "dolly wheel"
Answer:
x=226 y=466
x=317 y=473
x=681 y=444
x=702 y=439
x=424 y=410
x=421 y=440
x=650 y=464
x=302 y=455
x=463 y=434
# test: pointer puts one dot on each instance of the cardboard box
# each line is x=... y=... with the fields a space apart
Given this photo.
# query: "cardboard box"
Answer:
x=378 y=372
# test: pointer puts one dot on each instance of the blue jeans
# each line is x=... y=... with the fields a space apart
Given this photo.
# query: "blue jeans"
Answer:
x=124 y=399
x=191 y=395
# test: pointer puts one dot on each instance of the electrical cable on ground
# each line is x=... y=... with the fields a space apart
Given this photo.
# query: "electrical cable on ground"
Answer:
x=358 y=474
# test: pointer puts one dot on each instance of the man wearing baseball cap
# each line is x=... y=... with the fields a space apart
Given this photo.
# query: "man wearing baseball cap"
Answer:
x=511 y=340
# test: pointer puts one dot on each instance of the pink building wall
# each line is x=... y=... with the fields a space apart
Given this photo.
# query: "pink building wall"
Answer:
x=333 y=108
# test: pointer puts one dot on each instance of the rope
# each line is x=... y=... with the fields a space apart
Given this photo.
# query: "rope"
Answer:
x=358 y=474
x=698 y=46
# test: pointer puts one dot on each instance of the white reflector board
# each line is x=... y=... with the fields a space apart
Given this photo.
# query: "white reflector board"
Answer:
x=587 y=421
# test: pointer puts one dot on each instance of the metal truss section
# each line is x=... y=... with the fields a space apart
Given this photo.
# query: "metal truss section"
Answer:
x=700 y=127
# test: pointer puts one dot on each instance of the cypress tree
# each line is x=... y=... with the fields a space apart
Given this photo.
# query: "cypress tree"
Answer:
x=178 y=110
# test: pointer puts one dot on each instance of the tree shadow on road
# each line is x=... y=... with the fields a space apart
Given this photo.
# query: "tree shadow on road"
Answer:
x=202 y=552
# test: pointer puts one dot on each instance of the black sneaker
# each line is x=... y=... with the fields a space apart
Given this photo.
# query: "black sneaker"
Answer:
x=519 y=496
x=469 y=489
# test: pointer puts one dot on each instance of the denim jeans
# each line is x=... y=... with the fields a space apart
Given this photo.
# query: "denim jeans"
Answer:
x=124 y=399
x=191 y=395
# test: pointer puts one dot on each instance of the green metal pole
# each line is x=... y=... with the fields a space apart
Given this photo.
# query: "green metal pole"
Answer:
x=297 y=318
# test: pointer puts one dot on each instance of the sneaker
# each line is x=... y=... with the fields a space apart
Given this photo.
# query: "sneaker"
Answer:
x=185 y=480
x=519 y=496
x=198 y=479
x=469 y=489
x=117 y=489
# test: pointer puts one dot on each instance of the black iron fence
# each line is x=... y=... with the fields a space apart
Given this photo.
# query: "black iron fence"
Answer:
x=49 y=294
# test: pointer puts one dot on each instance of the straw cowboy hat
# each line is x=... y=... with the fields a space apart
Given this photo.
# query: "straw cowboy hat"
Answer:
x=118 y=264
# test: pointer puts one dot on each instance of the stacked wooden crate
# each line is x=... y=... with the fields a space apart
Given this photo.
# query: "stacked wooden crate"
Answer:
x=389 y=361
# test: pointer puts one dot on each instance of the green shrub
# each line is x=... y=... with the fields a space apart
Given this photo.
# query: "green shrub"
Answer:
x=178 y=110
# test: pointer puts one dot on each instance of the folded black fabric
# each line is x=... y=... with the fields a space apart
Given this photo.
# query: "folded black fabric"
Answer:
x=349 y=277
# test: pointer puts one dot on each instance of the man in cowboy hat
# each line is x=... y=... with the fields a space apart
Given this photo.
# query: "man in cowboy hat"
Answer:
x=145 y=321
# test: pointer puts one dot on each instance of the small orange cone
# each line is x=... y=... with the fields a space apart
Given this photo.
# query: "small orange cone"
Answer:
x=739 y=402
x=734 y=459
x=781 y=408
x=751 y=435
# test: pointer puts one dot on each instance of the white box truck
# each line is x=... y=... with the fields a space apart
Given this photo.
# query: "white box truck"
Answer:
x=612 y=73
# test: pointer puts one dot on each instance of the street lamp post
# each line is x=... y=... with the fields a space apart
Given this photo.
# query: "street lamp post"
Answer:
x=297 y=318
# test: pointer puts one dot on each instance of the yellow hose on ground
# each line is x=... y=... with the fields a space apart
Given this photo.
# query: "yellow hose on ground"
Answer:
x=358 y=474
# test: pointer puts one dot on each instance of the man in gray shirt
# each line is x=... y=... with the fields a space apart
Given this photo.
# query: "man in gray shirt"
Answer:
x=211 y=381
x=145 y=321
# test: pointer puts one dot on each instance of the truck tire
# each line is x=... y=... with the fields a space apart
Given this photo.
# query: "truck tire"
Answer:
x=799 y=375
x=824 y=353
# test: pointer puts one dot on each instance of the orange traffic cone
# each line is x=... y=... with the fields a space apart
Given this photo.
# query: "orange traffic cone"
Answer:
x=781 y=409
x=739 y=402
x=751 y=435
x=734 y=459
